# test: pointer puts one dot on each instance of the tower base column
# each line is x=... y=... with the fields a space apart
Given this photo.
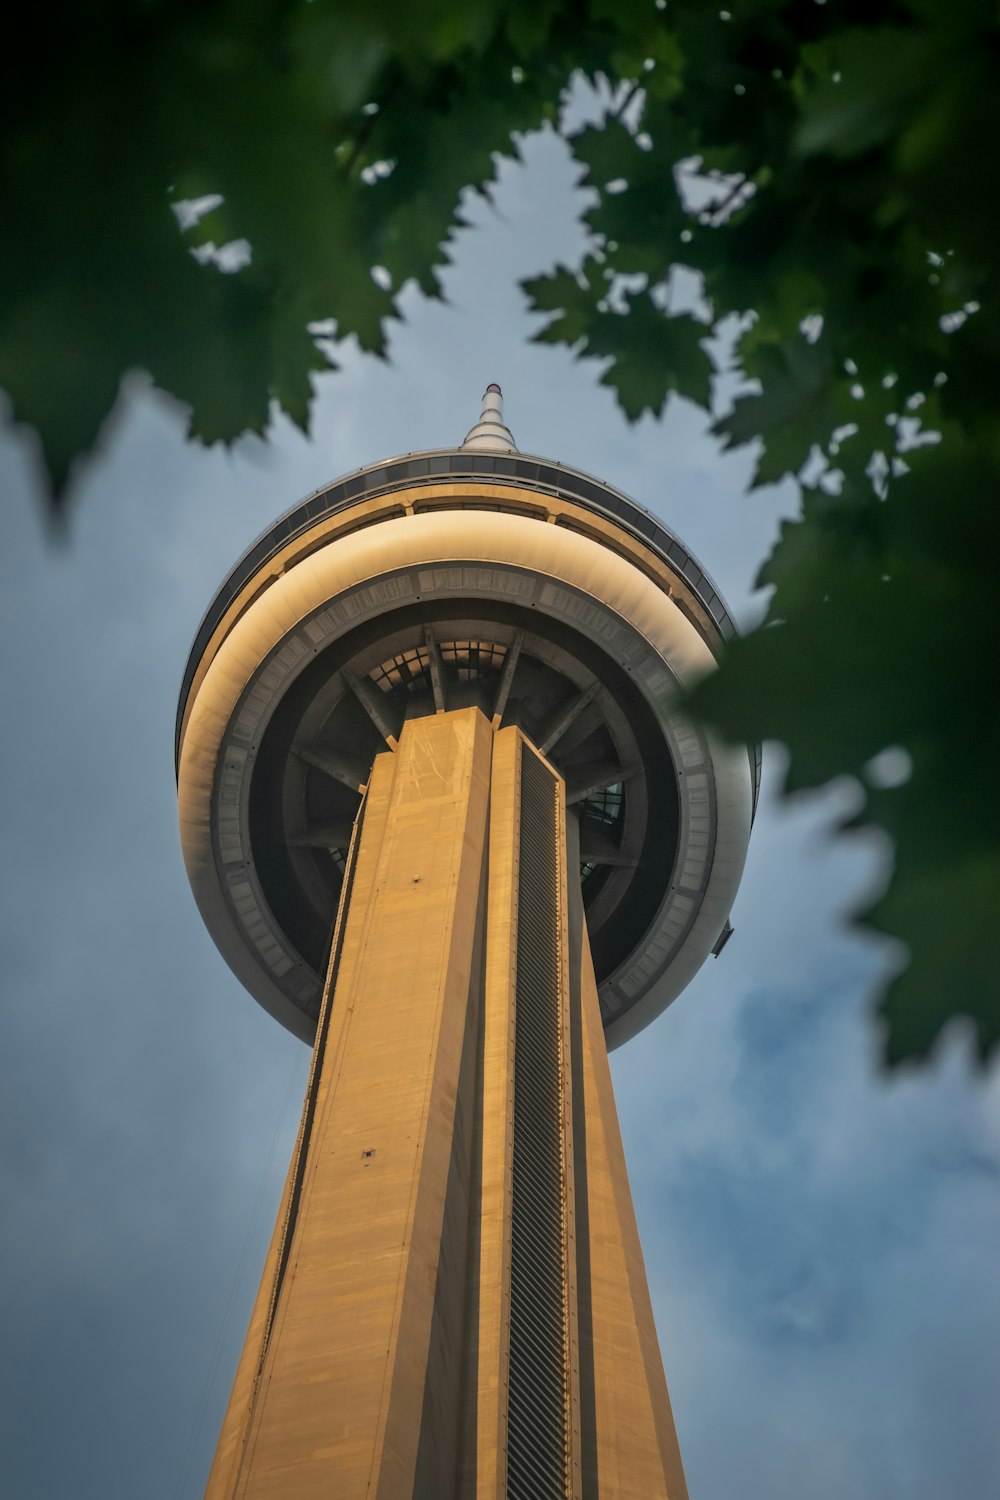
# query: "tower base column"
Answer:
x=454 y=1305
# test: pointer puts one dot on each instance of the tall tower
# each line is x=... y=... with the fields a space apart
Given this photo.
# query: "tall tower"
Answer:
x=444 y=820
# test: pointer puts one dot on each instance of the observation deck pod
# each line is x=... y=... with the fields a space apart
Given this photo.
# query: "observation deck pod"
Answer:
x=472 y=577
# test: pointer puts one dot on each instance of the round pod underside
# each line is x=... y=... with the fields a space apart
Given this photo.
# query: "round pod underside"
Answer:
x=466 y=595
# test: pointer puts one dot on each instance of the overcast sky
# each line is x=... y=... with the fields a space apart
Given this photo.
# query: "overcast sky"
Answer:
x=821 y=1245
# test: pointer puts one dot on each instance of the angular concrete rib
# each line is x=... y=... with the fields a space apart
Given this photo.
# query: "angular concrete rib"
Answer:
x=584 y=781
x=350 y=770
x=375 y=706
x=507 y=677
x=565 y=715
x=436 y=668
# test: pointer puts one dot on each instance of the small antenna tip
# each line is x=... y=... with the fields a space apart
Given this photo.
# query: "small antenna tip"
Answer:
x=490 y=432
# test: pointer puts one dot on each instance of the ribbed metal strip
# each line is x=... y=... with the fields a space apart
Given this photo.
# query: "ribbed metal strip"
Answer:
x=537 y=1429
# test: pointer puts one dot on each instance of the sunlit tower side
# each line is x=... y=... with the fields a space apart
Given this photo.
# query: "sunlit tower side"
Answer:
x=445 y=821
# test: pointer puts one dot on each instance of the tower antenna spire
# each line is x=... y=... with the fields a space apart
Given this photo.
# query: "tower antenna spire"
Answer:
x=490 y=433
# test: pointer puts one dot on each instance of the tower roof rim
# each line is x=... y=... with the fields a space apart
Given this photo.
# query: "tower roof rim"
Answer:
x=454 y=465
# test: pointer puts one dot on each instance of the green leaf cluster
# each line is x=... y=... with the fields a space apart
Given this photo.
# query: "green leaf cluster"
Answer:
x=328 y=141
x=828 y=174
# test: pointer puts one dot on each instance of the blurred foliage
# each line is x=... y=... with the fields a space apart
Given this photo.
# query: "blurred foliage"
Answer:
x=204 y=190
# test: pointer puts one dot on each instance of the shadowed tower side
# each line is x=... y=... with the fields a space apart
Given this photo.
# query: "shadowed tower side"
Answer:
x=445 y=733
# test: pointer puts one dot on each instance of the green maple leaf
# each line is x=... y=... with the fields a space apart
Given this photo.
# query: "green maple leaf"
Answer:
x=571 y=298
x=794 y=410
x=652 y=355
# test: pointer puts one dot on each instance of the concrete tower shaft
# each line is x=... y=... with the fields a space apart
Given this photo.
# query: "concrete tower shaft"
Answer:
x=455 y=1305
